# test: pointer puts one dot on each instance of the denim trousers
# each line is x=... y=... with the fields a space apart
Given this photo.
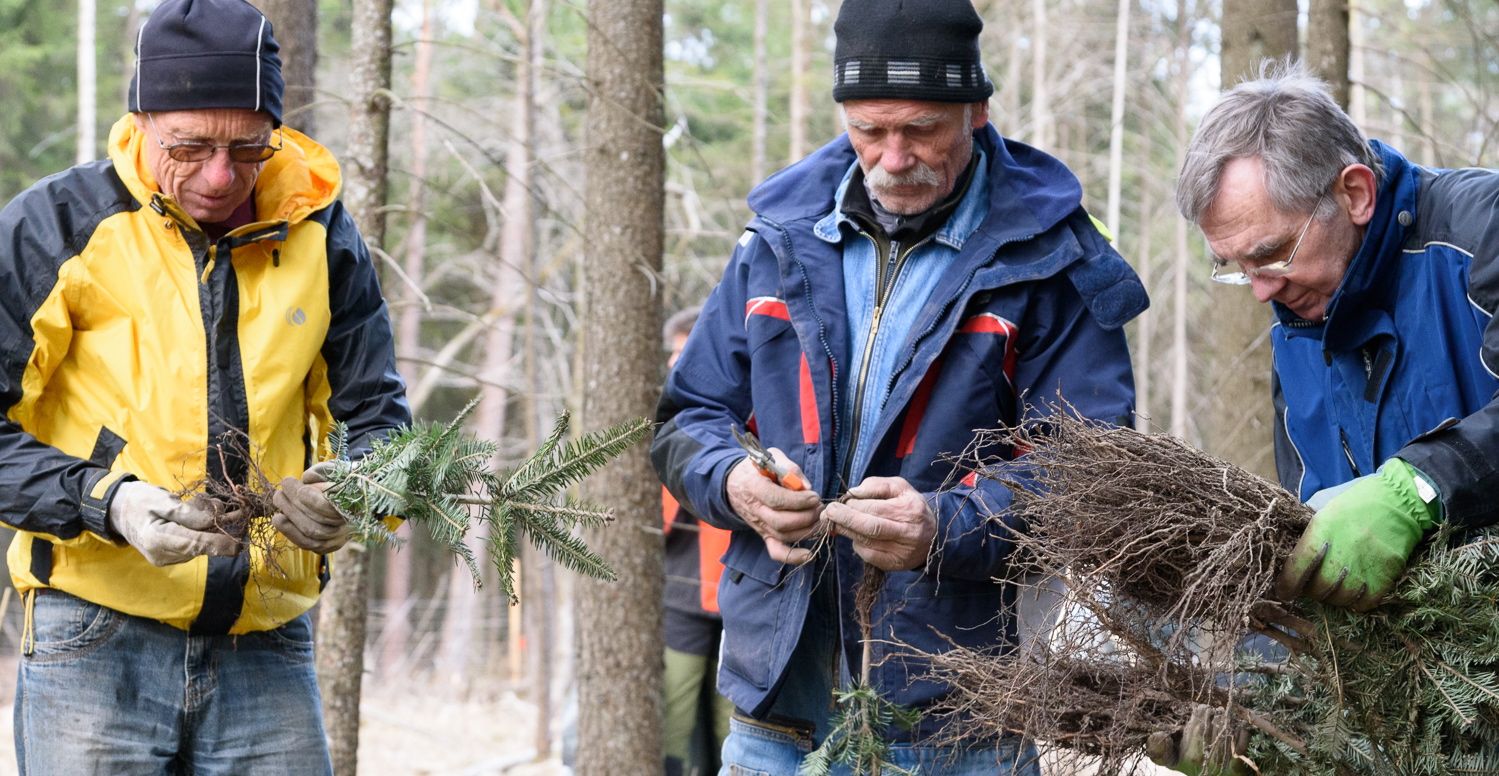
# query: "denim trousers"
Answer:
x=763 y=750
x=101 y=692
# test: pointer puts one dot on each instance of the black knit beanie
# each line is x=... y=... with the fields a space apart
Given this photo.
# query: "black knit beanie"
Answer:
x=194 y=54
x=909 y=50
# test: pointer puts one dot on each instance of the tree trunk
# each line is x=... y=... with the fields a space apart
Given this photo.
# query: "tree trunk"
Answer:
x=801 y=56
x=1255 y=30
x=88 y=84
x=760 y=97
x=295 y=25
x=618 y=628
x=341 y=629
x=1183 y=259
x=398 y=564
x=1116 y=122
x=1327 y=45
x=541 y=593
x=1041 y=137
x=1237 y=421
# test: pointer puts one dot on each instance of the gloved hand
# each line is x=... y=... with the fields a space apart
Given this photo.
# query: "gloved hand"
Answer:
x=164 y=528
x=1357 y=545
x=306 y=516
x=1201 y=747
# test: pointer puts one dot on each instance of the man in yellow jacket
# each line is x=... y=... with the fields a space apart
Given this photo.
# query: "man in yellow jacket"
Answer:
x=203 y=285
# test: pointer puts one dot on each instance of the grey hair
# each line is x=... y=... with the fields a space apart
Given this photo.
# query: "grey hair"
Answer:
x=1287 y=117
x=679 y=323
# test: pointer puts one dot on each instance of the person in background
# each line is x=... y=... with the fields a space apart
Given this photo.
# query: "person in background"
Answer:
x=697 y=717
x=1382 y=277
x=916 y=279
x=198 y=307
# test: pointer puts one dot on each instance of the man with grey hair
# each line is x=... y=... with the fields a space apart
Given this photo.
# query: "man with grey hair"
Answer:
x=195 y=312
x=911 y=281
x=1383 y=277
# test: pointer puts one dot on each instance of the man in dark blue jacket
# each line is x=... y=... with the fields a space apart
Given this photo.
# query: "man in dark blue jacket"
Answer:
x=1383 y=277
x=912 y=281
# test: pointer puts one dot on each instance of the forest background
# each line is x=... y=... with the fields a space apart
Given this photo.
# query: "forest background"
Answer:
x=488 y=232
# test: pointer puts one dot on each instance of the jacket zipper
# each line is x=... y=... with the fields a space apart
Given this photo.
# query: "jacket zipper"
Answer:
x=895 y=260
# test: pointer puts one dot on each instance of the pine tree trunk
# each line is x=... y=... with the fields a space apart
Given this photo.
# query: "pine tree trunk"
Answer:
x=1327 y=45
x=1238 y=417
x=88 y=84
x=295 y=26
x=341 y=629
x=618 y=628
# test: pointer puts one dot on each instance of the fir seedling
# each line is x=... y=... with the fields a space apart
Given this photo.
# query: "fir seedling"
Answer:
x=440 y=479
x=856 y=734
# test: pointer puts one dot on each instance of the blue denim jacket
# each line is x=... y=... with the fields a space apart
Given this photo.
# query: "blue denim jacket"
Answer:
x=912 y=288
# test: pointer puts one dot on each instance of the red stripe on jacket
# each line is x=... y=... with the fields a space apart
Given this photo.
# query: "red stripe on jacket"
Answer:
x=919 y=401
x=989 y=323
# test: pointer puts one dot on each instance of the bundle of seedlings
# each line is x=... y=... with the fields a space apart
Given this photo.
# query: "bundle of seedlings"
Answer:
x=441 y=479
x=1169 y=558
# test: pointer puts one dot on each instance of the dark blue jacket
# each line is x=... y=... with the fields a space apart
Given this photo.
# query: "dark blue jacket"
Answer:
x=1405 y=363
x=1033 y=306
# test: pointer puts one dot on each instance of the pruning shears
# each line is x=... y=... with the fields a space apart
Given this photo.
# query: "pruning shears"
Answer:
x=765 y=464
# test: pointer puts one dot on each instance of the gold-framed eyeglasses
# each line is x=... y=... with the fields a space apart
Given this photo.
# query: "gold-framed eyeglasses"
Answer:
x=1241 y=275
x=240 y=153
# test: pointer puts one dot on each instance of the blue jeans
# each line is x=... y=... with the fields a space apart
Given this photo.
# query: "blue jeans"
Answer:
x=102 y=692
x=768 y=750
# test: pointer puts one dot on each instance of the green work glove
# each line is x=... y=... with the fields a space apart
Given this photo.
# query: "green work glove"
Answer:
x=1357 y=545
x=1208 y=745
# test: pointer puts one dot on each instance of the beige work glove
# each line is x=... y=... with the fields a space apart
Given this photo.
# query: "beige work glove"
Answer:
x=164 y=528
x=306 y=516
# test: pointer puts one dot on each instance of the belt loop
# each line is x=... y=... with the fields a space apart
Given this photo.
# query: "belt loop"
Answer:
x=28 y=629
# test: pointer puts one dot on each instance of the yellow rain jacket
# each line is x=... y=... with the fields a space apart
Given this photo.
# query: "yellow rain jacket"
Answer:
x=131 y=344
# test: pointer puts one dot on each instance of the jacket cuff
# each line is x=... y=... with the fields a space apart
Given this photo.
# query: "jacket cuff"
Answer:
x=98 y=491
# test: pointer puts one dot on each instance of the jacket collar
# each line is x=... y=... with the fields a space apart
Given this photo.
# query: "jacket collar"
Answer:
x=961 y=216
x=302 y=178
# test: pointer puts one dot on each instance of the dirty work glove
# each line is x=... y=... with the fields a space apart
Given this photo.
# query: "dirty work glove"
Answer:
x=164 y=528
x=1357 y=545
x=1201 y=747
x=306 y=516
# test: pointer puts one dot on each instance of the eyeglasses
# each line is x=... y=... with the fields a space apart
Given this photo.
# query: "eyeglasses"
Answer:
x=240 y=153
x=1275 y=269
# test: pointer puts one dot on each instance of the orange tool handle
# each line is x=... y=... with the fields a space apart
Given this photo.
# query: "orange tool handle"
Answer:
x=779 y=475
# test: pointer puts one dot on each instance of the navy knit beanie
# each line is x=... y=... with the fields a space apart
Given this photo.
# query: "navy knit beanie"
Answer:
x=909 y=50
x=194 y=54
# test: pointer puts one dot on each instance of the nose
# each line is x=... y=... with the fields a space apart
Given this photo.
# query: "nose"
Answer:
x=1265 y=288
x=218 y=171
x=896 y=156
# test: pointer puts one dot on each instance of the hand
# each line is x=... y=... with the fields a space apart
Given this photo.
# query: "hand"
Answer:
x=306 y=516
x=780 y=516
x=1208 y=745
x=1357 y=545
x=888 y=521
x=164 y=528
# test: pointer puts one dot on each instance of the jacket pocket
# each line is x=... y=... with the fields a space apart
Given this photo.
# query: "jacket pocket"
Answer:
x=749 y=596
